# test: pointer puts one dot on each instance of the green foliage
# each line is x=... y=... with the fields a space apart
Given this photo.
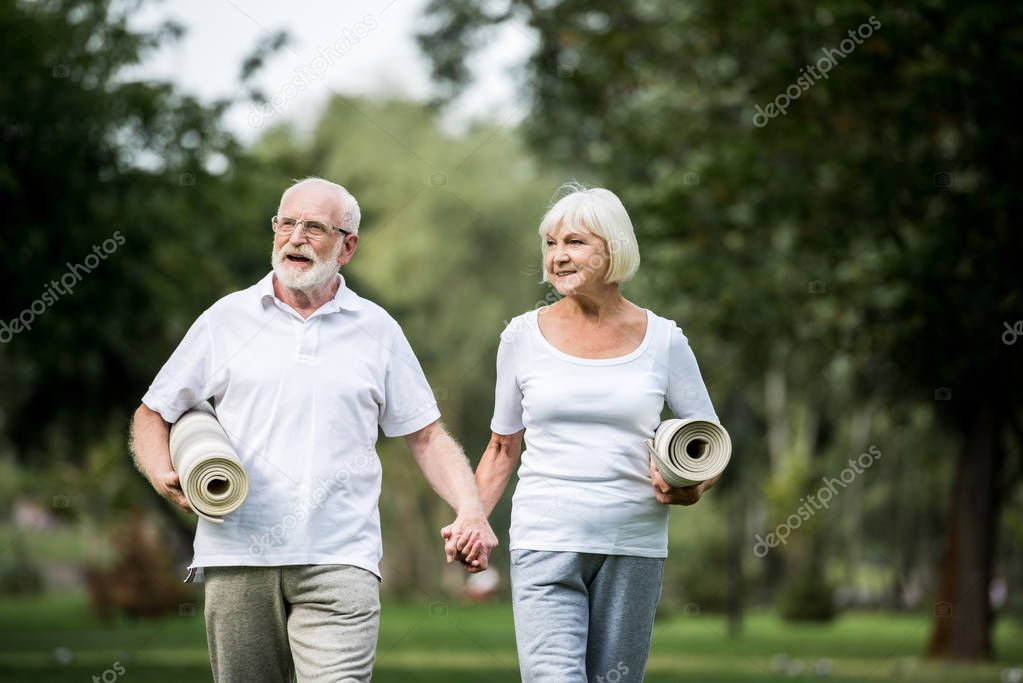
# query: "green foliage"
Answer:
x=19 y=575
x=808 y=596
x=112 y=218
x=698 y=551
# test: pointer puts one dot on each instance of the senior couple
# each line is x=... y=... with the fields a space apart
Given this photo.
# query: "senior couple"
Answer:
x=303 y=372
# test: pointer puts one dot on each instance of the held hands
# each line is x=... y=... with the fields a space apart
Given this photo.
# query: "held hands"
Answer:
x=469 y=539
x=168 y=485
x=687 y=495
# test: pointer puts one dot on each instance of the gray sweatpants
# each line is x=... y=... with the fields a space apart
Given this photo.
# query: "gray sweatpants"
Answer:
x=583 y=617
x=313 y=622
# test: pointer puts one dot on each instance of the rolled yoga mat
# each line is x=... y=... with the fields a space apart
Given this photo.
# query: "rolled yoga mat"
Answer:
x=690 y=451
x=211 y=475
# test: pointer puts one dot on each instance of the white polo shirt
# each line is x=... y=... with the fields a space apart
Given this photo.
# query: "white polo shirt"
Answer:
x=301 y=400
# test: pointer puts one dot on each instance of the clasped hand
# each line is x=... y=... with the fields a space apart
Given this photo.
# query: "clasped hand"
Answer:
x=469 y=539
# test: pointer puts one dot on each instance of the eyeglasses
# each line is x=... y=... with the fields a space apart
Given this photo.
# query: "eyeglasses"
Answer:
x=314 y=230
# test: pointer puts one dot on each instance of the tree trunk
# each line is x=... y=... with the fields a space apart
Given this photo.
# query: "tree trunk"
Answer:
x=746 y=441
x=962 y=614
x=734 y=598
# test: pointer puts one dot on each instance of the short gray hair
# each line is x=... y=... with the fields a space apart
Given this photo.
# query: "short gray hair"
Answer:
x=350 y=213
x=602 y=213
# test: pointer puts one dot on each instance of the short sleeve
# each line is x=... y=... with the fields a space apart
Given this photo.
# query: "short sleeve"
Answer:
x=507 y=392
x=409 y=403
x=189 y=376
x=687 y=394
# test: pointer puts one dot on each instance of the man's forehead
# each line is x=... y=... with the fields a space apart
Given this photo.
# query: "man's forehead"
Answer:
x=312 y=199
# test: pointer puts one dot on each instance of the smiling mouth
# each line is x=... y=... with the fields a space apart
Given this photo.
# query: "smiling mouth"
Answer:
x=565 y=273
x=296 y=258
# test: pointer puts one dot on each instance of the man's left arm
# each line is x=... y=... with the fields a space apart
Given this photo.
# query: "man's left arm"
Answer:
x=448 y=472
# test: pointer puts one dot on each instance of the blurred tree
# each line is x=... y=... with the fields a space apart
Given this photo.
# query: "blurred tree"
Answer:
x=129 y=210
x=118 y=228
x=866 y=213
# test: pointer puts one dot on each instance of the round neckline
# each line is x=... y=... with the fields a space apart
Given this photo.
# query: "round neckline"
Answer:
x=632 y=355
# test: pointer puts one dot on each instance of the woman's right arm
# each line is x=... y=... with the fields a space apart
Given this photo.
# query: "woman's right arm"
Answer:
x=499 y=460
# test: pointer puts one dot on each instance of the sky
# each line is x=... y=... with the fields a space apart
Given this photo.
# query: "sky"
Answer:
x=345 y=47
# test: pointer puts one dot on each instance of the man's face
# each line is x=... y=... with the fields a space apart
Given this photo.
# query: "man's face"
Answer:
x=309 y=264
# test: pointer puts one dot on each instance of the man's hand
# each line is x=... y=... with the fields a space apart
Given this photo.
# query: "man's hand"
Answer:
x=470 y=540
x=168 y=485
x=669 y=495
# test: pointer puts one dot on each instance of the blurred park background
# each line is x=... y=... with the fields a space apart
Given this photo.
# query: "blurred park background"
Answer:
x=827 y=201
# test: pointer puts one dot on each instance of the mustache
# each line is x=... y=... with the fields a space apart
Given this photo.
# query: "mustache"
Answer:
x=301 y=250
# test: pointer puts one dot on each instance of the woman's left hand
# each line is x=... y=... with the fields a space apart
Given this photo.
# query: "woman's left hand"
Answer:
x=669 y=495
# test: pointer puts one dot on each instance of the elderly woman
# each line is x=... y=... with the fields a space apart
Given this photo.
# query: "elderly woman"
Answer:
x=585 y=381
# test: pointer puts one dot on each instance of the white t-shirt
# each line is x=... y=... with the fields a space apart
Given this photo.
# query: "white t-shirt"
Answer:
x=301 y=401
x=584 y=480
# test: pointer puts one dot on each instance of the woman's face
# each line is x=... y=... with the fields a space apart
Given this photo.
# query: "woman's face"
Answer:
x=577 y=260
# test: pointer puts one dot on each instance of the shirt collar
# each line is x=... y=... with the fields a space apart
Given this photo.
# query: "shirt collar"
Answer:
x=343 y=298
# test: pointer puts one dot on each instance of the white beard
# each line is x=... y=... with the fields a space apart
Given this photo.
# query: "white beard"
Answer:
x=309 y=280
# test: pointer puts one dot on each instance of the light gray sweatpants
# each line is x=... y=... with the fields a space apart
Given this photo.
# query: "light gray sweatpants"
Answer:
x=313 y=622
x=583 y=617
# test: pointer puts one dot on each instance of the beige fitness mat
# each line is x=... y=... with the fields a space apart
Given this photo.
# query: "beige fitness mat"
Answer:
x=211 y=475
x=690 y=451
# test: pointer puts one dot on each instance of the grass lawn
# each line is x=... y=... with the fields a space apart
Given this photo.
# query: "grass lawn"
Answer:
x=476 y=643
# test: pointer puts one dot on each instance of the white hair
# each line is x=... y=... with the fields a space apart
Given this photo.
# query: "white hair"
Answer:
x=602 y=213
x=350 y=213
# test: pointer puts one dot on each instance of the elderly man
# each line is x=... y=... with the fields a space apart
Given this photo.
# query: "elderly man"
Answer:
x=302 y=372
